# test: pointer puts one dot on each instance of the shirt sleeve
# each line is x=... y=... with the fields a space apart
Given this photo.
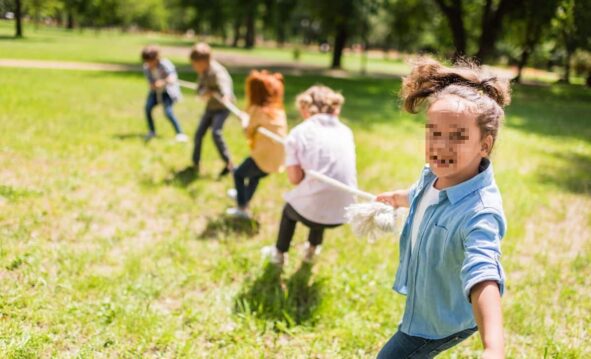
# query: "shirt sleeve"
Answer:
x=168 y=67
x=353 y=158
x=292 y=149
x=201 y=88
x=482 y=251
x=224 y=82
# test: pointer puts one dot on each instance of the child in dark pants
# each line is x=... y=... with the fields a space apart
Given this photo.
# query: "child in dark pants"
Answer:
x=164 y=89
x=324 y=144
x=289 y=218
x=265 y=109
x=213 y=79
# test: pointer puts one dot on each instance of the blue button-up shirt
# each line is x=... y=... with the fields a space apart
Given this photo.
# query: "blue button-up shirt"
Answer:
x=457 y=247
x=165 y=69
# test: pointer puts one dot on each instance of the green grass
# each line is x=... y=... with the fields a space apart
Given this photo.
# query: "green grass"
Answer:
x=106 y=248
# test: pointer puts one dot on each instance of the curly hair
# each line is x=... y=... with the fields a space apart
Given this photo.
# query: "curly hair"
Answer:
x=265 y=89
x=320 y=99
x=485 y=93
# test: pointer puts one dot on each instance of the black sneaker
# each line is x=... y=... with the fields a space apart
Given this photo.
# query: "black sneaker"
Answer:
x=226 y=171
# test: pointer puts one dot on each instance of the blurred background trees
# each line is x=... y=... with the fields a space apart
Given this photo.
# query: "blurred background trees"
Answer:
x=546 y=34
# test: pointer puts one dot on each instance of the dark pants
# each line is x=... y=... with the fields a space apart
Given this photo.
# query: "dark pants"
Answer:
x=214 y=119
x=289 y=218
x=402 y=346
x=167 y=103
x=248 y=170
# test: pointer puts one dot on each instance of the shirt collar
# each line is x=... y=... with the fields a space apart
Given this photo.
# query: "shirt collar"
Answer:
x=323 y=118
x=461 y=190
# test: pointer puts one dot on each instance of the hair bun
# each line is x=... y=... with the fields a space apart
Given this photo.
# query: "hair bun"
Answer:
x=429 y=77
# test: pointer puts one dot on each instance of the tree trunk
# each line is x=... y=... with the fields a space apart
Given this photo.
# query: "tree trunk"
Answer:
x=588 y=81
x=249 y=39
x=339 y=45
x=453 y=13
x=19 y=18
x=522 y=62
x=237 y=35
x=281 y=35
x=566 y=76
x=491 y=24
x=70 y=20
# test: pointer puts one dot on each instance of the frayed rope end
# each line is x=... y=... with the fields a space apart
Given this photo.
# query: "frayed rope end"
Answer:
x=371 y=220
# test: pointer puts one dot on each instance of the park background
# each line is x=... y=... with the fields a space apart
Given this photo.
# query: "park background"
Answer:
x=109 y=249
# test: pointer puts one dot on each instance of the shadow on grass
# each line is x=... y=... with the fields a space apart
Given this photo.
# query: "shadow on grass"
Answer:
x=183 y=177
x=552 y=111
x=224 y=226
x=573 y=175
x=129 y=136
x=287 y=303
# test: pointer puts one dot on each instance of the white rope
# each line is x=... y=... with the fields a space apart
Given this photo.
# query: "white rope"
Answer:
x=188 y=84
x=369 y=219
x=320 y=176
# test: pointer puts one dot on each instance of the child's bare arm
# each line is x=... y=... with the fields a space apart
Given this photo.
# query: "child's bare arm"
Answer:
x=395 y=199
x=486 y=304
x=171 y=78
x=295 y=174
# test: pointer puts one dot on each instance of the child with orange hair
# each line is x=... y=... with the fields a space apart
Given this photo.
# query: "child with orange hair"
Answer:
x=264 y=92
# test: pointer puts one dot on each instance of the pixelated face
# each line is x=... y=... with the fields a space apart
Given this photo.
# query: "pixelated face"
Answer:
x=453 y=139
x=200 y=66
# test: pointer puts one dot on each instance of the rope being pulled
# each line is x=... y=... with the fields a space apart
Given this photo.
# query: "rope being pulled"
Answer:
x=370 y=219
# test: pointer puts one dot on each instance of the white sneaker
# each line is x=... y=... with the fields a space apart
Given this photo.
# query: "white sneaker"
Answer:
x=310 y=252
x=237 y=213
x=232 y=193
x=150 y=135
x=181 y=137
x=273 y=255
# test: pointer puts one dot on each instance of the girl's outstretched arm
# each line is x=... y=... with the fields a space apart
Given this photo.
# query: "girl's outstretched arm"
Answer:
x=486 y=304
x=395 y=199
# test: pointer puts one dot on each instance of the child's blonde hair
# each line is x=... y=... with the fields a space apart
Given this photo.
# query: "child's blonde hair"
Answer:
x=486 y=94
x=320 y=99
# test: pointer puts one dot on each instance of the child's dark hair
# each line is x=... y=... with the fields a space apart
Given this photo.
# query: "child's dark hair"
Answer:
x=200 y=52
x=150 y=52
x=487 y=95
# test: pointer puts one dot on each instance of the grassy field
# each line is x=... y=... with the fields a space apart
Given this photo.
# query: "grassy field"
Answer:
x=108 y=250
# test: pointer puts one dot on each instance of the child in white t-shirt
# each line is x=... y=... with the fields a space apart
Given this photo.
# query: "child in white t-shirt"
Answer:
x=324 y=144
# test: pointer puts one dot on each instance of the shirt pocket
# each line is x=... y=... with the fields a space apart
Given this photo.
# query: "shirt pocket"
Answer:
x=437 y=246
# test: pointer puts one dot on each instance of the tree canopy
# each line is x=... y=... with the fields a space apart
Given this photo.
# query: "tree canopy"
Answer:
x=512 y=32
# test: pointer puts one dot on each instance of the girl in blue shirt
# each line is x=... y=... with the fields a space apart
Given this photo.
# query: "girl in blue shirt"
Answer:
x=449 y=266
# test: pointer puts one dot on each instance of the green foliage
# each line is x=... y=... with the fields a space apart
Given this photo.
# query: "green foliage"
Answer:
x=582 y=63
